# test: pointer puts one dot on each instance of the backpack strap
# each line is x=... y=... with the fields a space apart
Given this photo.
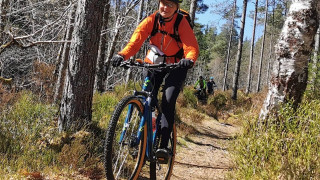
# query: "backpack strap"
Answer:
x=176 y=27
x=155 y=24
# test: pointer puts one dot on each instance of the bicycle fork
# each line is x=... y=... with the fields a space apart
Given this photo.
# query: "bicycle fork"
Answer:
x=150 y=154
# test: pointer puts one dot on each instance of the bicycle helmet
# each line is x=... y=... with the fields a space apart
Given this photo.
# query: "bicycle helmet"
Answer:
x=211 y=78
x=176 y=1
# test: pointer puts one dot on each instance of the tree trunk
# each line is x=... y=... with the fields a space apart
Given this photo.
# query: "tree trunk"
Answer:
x=290 y=71
x=76 y=104
x=229 y=47
x=239 y=53
x=64 y=57
x=193 y=9
x=100 y=76
x=315 y=58
x=3 y=8
x=3 y=18
x=252 y=47
x=270 y=45
x=262 y=46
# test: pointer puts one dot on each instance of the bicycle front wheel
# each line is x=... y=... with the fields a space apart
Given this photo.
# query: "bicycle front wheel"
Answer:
x=124 y=152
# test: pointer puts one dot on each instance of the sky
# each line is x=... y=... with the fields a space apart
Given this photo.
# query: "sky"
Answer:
x=211 y=18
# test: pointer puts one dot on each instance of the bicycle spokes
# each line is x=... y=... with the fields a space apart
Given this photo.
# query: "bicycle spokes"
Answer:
x=126 y=156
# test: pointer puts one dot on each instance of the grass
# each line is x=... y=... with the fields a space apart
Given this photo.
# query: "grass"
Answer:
x=30 y=141
x=22 y=129
x=284 y=147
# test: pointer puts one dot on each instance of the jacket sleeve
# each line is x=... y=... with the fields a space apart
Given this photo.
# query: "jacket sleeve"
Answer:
x=189 y=41
x=196 y=84
x=141 y=33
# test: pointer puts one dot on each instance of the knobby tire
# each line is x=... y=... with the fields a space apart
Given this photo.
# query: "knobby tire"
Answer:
x=130 y=167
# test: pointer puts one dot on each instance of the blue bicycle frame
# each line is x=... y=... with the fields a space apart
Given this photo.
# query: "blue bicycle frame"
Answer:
x=145 y=95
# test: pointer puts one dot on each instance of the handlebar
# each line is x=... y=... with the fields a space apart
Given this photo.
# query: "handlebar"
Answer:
x=129 y=64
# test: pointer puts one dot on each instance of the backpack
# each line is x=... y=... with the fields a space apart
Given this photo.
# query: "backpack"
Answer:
x=181 y=13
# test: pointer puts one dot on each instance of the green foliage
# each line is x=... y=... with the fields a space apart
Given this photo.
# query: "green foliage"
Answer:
x=102 y=107
x=24 y=129
x=104 y=104
x=219 y=101
x=201 y=7
x=286 y=147
x=313 y=87
x=189 y=99
x=220 y=46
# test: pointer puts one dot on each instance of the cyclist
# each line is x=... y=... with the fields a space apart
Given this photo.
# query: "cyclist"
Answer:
x=201 y=92
x=210 y=85
x=164 y=48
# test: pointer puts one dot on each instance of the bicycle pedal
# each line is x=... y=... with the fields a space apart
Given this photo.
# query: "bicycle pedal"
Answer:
x=163 y=156
x=162 y=160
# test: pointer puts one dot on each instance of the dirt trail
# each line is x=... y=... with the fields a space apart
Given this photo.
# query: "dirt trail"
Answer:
x=204 y=154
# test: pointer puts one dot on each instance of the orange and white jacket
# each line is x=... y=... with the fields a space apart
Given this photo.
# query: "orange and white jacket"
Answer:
x=168 y=45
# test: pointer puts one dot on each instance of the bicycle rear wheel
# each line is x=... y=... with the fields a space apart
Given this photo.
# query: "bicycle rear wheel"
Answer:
x=164 y=171
x=124 y=154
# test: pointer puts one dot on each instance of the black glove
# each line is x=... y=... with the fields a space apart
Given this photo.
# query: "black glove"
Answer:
x=116 y=60
x=186 y=63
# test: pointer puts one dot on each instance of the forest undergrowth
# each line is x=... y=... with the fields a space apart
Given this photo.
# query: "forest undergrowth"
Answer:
x=281 y=148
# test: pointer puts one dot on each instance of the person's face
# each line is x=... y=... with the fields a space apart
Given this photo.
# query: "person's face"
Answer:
x=167 y=8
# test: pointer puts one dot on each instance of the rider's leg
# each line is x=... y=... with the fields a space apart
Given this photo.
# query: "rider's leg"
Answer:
x=156 y=78
x=172 y=87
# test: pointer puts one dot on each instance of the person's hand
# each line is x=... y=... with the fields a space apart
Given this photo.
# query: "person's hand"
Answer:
x=116 y=60
x=186 y=63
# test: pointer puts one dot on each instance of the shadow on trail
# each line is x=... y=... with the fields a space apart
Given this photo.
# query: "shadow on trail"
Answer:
x=202 y=144
x=213 y=133
x=207 y=132
x=201 y=166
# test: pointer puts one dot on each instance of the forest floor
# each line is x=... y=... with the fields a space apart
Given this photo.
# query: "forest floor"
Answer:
x=204 y=155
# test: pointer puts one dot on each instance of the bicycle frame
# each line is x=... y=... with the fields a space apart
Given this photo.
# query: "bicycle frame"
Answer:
x=146 y=119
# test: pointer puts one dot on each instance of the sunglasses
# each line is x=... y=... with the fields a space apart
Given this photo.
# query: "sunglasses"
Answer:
x=168 y=4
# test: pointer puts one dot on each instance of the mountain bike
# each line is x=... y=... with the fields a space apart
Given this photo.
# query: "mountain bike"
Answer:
x=133 y=136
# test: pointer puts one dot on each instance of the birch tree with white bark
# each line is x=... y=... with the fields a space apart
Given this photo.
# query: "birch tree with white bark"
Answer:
x=293 y=50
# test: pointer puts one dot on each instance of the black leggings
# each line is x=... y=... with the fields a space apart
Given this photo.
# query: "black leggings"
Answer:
x=172 y=86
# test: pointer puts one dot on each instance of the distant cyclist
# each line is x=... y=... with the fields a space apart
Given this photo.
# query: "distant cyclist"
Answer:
x=201 y=91
x=165 y=47
x=210 y=85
